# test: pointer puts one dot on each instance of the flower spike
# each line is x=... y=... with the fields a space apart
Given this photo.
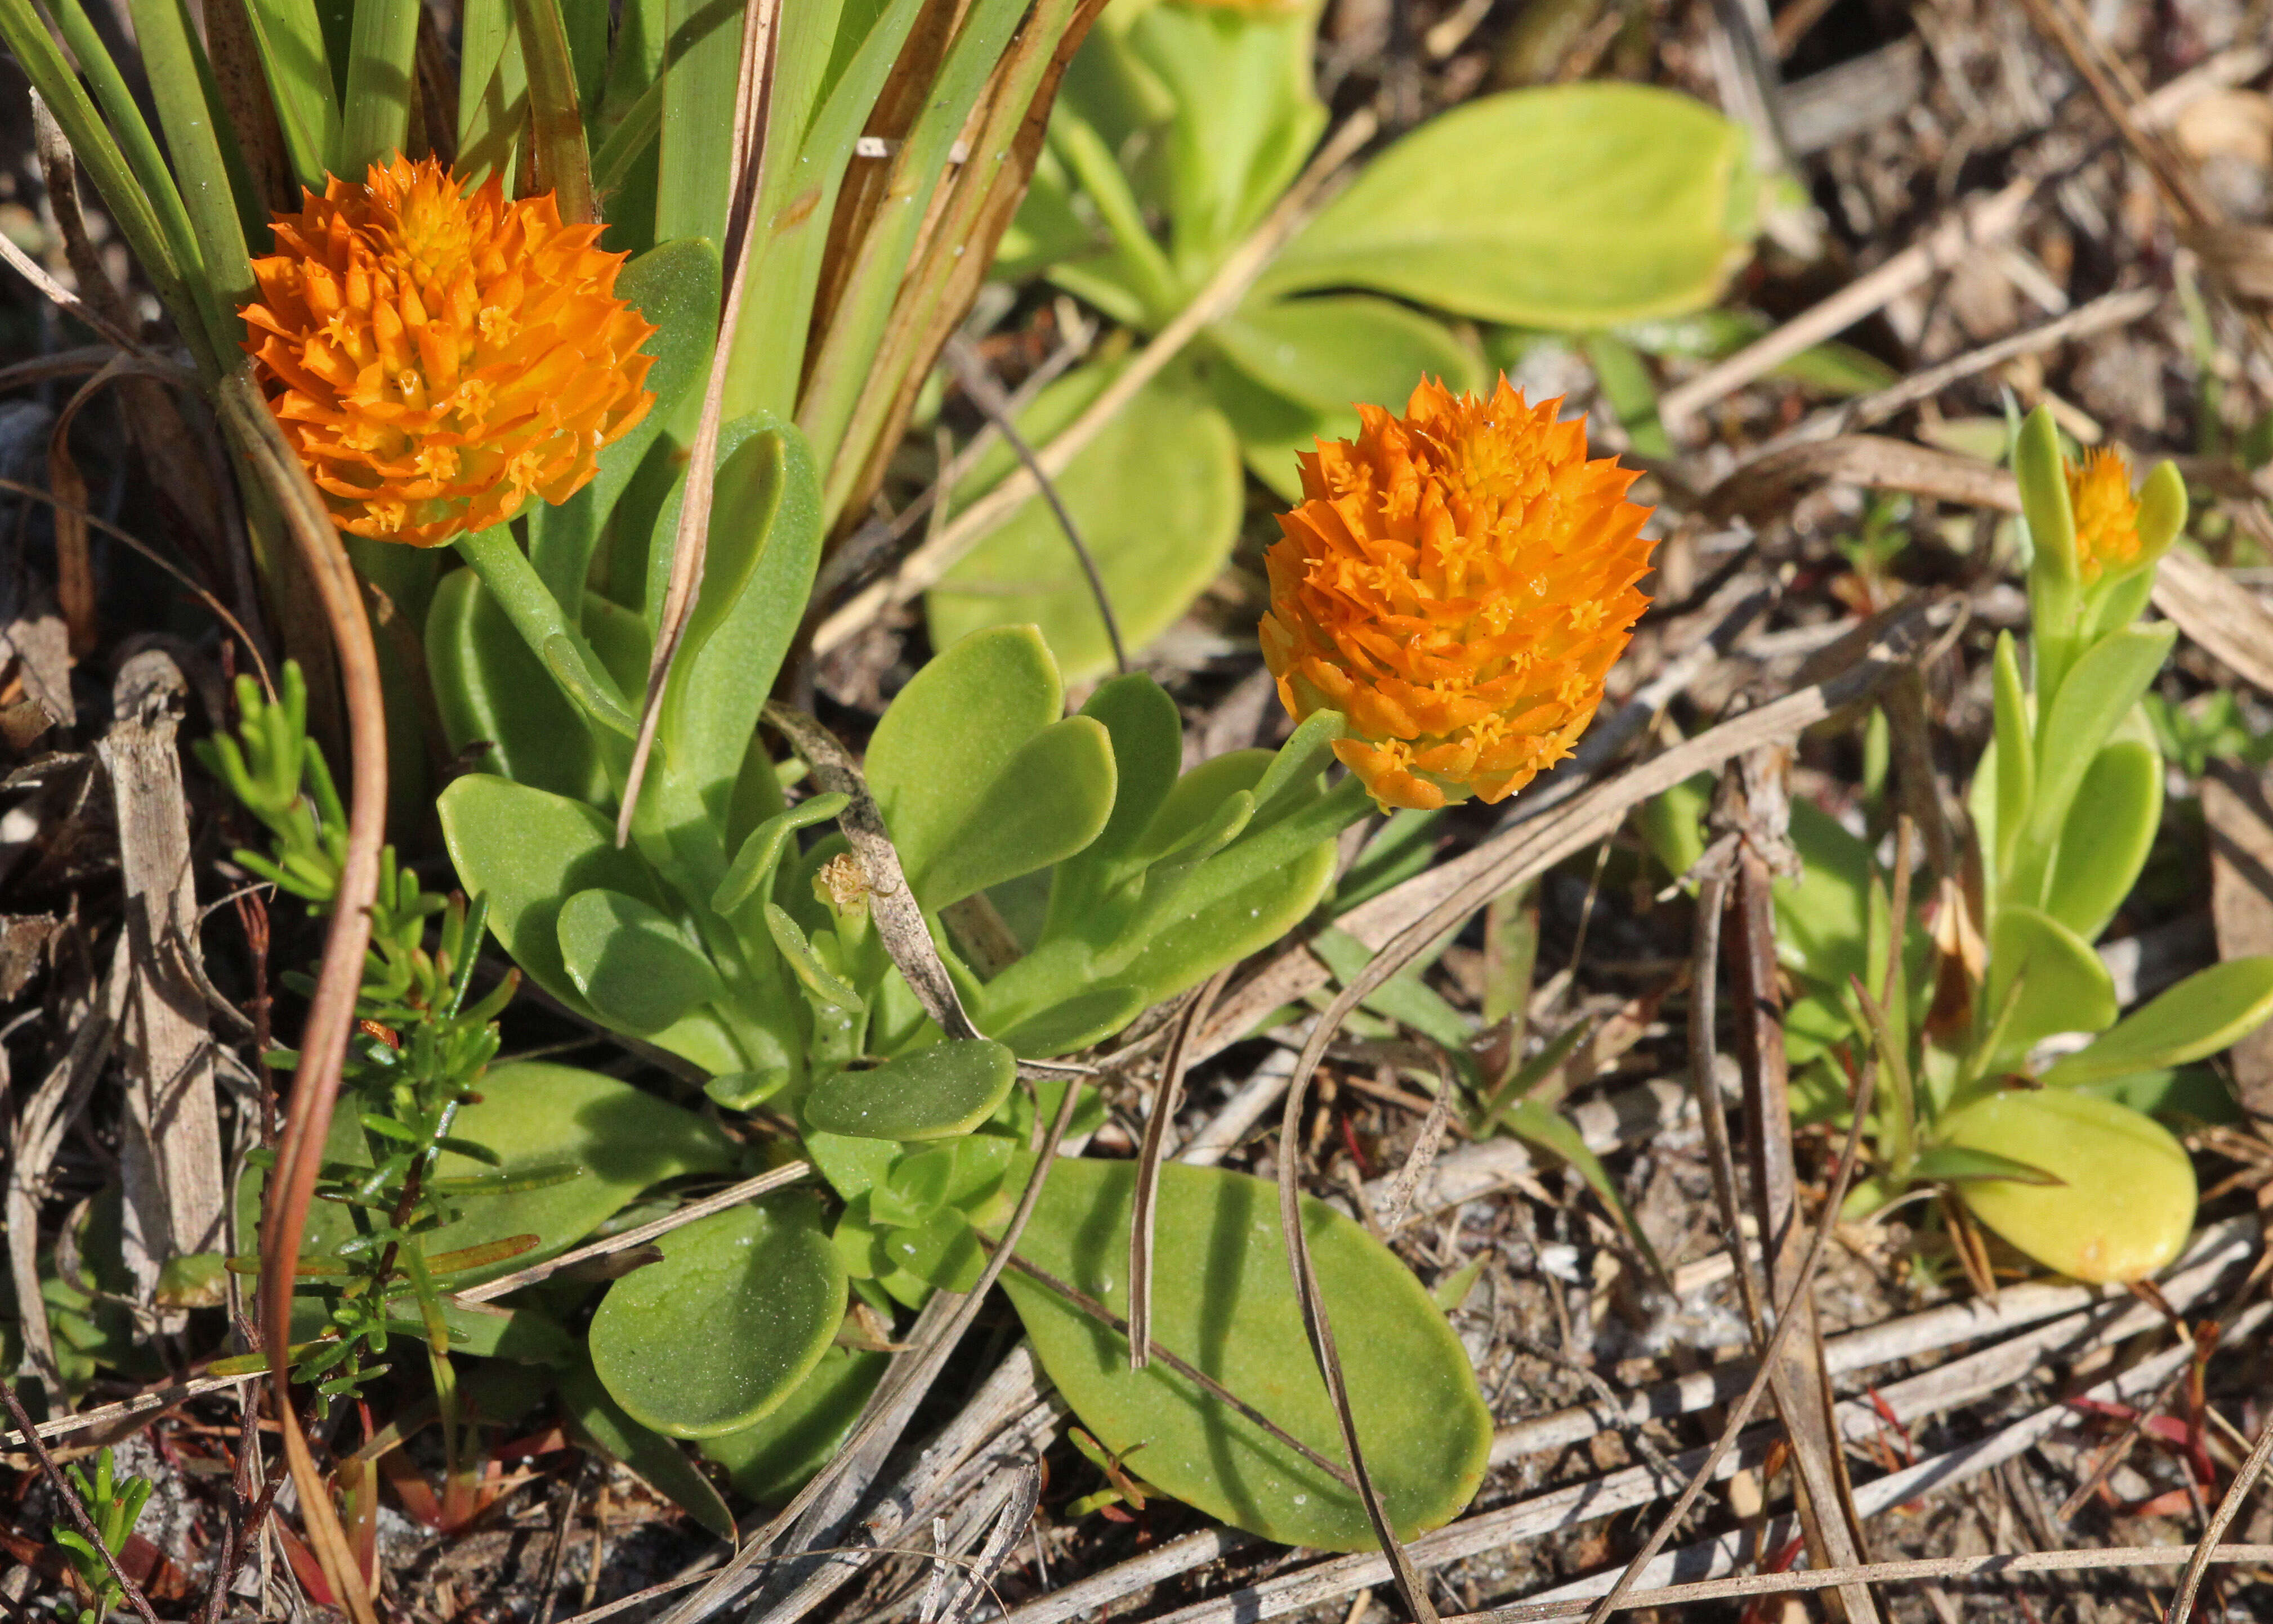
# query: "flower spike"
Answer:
x=1456 y=582
x=438 y=357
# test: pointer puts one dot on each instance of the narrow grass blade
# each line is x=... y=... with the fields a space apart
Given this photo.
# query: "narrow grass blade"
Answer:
x=1143 y=1209
x=291 y=41
x=376 y=115
x=556 y=123
x=493 y=90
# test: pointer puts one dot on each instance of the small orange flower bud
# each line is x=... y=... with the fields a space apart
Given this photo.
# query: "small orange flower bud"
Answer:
x=2107 y=513
x=436 y=358
x=1457 y=584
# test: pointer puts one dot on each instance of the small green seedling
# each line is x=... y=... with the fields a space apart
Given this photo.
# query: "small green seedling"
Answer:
x=114 y=1505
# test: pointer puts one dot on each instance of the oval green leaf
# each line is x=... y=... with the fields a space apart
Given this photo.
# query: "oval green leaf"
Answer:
x=1578 y=206
x=2201 y=1015
x=736 y=1314
x=2104 y=843
x=2125 y=1202
x=1222 y=1301
x=2062 y=985
x=633 y=964
x=772 y=1460
x=935 y=1093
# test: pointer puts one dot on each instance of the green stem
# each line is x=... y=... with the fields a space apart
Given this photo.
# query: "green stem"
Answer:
x=512 y=580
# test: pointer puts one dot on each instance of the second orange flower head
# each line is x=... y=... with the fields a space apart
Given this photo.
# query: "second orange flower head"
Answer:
x=1457 y=584
x=436 y=358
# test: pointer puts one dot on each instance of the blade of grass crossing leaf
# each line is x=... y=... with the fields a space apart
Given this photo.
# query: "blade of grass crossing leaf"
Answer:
x=556 y=123
x=291 y=36
x=493 y=89
x=128 y=171
x=849 y=351
x=375 y=116
x=754 y=92
x=1144 y=1205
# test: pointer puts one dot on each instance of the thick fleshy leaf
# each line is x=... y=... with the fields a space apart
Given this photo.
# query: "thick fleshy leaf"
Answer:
x=1222 y=1300
x=771 y=1460
x=1820 y=914
x=657 y=1459
x=490 y=689
x=2203 y=1014
x=948 y=737
x=1578 y=206
x=636 y=965
x=2125 y=1202
x=2099 y=692
x=2063 y=985
x=935 y=1093
x=1050 y=799
x=527 y=851
x=736 y=1314
x=1156 y=497
x=2110 y=829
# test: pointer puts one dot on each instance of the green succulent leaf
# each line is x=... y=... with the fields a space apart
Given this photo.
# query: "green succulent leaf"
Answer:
x=1222 y=1299
x=938 y=1091
x=1956 y=1164
x=634 y=965
x=1578 y=206
x=770 y=1460
x=2110 y=829
x=2043 y=978
x=657 y=1460
x=491 y=689
x=2100 y=690
x=1049 y=801
x=2125 y=1202
x=2208 y=1011
x=736 y=1315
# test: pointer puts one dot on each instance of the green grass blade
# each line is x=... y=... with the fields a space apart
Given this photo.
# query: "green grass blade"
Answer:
x=375 y=116
x=178 y=75
x=699 y=87
x=127 y=170
x=564 y=165
x=291 y=36
x=611 y=165
x=493 y=91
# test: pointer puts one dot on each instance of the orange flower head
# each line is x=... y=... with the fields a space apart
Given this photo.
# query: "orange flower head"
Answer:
x=436 y=358
x=1457 y=584
x=2107 y=513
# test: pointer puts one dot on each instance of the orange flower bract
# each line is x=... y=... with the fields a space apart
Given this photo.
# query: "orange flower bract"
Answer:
x=1457 y=584
x=436 y=358
x=2107 y=513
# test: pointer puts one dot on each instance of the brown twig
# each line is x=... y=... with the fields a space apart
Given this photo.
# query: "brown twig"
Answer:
x=1148 y=1157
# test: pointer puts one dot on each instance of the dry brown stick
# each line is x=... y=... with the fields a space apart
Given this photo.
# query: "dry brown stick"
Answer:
x=733 y=1195
x=2110 y=309
x=2229 y=1507
x=331 y=1010
x=1978 y=223
x=1756 y=802
x=1156 y=1129
x=1803 y=1281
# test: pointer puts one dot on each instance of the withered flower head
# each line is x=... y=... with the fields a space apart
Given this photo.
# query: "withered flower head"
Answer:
x=2107 y=513
x=1457 y=584
x=436 y=358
